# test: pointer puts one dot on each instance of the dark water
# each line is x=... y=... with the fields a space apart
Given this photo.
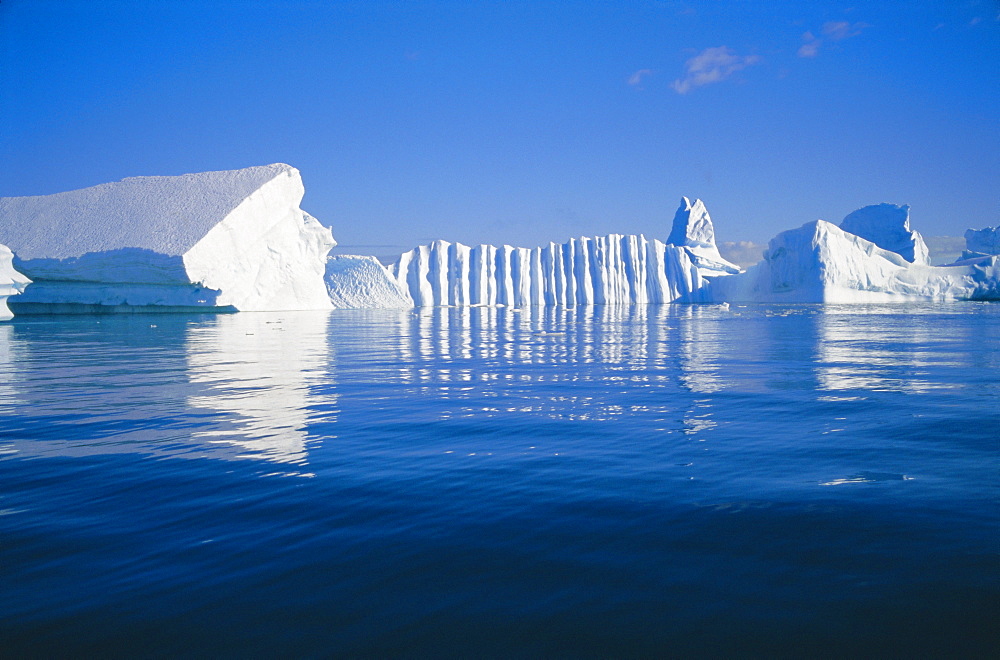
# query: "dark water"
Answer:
x=662 y=481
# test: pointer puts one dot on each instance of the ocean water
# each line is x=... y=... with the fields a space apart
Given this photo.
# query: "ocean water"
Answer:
x=773 y=481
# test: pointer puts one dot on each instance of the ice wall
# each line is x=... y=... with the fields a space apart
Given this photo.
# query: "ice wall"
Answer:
x=888 y=226
x=821 y=263
x=361 y=282
x=11 y=281
x=692 y=229
x=606 y=270
x=232 y=240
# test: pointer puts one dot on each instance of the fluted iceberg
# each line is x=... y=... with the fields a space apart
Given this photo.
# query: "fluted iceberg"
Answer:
x=606 y=270
x=230 y=240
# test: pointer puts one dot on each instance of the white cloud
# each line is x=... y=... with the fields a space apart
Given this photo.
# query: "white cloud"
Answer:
x=635 y=80
x=810 y=45
x=742 y=253
x=710 y=66
x=840 y=30
x=831 y=30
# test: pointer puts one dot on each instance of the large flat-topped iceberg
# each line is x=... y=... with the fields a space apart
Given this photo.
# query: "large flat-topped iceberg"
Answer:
x=605 y=270
x=232 y=240
x=821 y=263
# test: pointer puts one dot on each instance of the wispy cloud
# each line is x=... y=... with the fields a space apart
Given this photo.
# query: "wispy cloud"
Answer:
x=711 y=65
x=840 y=30
x=810 y=45
x=832 y=31
x=635 y=80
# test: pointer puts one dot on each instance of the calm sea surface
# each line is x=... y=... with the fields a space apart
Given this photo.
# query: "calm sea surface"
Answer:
x=648 y=481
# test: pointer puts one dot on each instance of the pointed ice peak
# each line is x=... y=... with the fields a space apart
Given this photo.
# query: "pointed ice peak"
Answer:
x=888 y=226
x=693 y=230
x=692 y=225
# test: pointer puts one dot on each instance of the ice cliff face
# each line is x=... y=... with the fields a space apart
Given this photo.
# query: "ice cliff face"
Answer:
x=606 y=270
x=888 y=226
x=232 y=240
x=11 y=281
x=693 y=230
x=820 y=262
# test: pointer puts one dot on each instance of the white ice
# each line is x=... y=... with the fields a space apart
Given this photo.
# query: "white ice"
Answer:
x=693 y=230
x=888 y=226
x=605 y=270
x=234 y=239
x=981 y=242
x=361 y=282
x=11 y=281
x=819 y=262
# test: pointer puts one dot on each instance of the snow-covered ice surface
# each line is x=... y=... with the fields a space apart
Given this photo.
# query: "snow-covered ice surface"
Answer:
x=234 y=240
x=692 y=229
x=821 y=263
x=888 y=226
x=11 y=281
x=605 y=270
x=361 y=282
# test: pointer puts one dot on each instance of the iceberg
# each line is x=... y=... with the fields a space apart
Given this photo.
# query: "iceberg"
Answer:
x=11 y=282
x=221 y=241
x=822 y=263
x=888 y=226
x=605 y=270
x=361 y=282
x=693 y=230
x=981 y=242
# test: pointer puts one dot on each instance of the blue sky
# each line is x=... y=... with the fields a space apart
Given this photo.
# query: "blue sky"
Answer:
x=519 y=122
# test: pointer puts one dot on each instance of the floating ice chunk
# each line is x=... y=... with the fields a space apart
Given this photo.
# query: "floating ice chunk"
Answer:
x=606 y=270
x=693 y=230
x=11 y=281
x=361 y=282
x=819 y=262
x=233 y=240
x=888 y=226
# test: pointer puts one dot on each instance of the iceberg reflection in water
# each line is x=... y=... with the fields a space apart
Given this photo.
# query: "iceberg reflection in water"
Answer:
x=593 y=481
